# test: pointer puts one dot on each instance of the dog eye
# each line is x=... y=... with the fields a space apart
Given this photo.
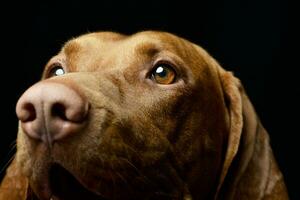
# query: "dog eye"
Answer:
x=163 y=74
x=56 y=71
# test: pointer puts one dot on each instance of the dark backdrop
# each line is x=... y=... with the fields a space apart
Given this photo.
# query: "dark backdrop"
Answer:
x=250 y=37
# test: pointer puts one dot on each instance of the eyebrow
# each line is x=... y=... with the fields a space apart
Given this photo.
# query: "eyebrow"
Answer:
x=71 y=47
x=147 y=48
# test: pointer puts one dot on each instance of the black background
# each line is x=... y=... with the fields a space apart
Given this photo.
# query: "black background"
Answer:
x=251 y=38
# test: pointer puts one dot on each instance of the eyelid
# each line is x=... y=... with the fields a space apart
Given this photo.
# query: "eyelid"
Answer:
x=156 y=63
x=166 y=62
x=52 y=66
x=163 y=62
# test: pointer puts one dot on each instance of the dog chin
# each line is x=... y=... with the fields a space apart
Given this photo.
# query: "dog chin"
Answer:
x=58 y=183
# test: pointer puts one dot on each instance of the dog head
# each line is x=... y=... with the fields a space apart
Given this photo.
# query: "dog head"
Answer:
x=130 y=117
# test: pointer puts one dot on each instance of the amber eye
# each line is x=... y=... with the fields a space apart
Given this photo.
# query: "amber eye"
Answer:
x=57 y=70
x=163 y=74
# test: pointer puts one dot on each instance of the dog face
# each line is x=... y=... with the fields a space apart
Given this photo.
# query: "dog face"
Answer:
x=155 y=119
x=146 y=116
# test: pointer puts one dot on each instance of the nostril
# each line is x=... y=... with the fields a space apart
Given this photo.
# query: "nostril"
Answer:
x=59 y=110
x=51 y=111
x=27 y=112
x=74 y=110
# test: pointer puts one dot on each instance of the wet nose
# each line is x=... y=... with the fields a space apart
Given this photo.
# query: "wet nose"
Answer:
x=50 y=111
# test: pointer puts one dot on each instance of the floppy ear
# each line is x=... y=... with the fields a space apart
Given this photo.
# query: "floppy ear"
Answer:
x=249 y=168
x=232 y=93
x=14 y=186
x=245 y=134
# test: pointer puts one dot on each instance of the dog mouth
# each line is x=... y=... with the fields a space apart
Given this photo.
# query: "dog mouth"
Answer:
x=60 y=183
x=64 y=186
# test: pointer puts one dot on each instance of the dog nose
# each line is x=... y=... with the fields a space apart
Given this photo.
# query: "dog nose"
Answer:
x=51 y=111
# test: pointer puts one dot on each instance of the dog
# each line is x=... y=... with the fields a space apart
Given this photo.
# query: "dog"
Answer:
x=145 y=116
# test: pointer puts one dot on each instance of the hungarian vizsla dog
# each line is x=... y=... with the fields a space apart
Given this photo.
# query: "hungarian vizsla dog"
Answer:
x=146 y=116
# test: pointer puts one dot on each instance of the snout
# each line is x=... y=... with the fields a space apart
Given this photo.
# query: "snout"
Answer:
x=51 y=111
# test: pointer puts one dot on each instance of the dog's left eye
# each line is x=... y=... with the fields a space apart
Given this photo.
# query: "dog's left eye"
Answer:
x=57 y=71
x=163 y=74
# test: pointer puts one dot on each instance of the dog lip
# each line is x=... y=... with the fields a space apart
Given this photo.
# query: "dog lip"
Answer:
x=42 y=188
x=64 y=184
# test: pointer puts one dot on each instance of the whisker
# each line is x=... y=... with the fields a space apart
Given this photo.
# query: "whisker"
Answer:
x=114 y=183
x=6 y=164
x=122 y=178
x=144 y=178
x=12 y=149
x=12 y=146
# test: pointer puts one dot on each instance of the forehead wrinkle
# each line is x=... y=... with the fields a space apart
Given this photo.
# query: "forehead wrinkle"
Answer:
x=70 y=51
x=71 y=47
x=152 y=42
x=147 y=48
x=87 y=52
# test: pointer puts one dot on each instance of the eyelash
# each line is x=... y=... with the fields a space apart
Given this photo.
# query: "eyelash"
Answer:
x=52 y=67
x=163 y=62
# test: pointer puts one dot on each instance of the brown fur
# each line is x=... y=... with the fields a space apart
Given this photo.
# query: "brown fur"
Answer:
x=198 y=138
